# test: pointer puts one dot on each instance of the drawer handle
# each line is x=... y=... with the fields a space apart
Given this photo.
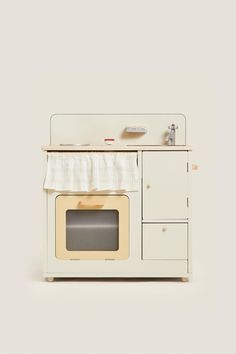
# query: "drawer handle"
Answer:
x=164 y=229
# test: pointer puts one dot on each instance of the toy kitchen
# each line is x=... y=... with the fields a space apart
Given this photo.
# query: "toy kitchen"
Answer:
x=117 y=197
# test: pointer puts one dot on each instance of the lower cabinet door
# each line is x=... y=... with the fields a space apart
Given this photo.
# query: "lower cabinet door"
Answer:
x=165 y=241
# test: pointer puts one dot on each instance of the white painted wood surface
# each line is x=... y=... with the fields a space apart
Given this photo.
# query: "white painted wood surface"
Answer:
x=116 y=269
x=116 y=148
x=94 y=128
x=165 y=185
x=165 y=241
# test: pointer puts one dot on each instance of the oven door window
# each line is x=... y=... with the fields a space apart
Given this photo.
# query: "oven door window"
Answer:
x=92 y=227
x=92 y=230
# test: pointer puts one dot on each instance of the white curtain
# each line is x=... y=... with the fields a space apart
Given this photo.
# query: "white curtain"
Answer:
x=88 y=171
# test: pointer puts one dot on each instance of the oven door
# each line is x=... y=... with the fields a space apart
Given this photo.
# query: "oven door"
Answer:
x=92 y=227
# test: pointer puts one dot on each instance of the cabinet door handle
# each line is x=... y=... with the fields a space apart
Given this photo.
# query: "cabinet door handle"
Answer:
x=148 y=186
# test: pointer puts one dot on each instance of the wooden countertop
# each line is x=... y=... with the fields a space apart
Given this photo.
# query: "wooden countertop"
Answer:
x=74 y=148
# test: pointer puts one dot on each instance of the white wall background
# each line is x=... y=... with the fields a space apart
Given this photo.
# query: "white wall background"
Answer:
x=117 y=56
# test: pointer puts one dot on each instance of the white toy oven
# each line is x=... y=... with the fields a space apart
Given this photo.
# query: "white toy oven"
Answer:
x=143 y=233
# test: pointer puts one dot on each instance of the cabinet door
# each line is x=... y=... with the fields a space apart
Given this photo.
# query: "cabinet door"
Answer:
x=165 y=185
x=165 y=241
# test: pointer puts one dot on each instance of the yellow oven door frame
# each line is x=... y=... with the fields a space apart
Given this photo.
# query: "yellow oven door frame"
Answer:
x=92 y=202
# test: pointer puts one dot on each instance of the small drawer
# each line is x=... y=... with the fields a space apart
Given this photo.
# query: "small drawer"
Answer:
x=165 y=241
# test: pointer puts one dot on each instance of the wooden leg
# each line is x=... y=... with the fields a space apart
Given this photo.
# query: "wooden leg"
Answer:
x=184 y=279
x=49 y=279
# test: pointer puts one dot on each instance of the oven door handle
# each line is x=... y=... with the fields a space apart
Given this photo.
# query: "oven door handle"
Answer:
x=89 y=205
